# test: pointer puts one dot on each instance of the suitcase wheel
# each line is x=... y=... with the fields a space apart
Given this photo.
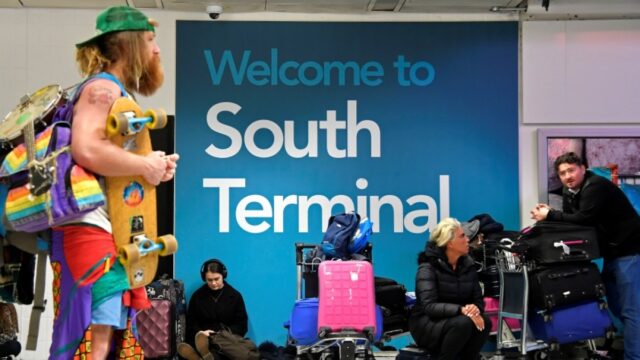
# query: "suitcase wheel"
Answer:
x=547 y=317
x=369 y=333
x=550 y=304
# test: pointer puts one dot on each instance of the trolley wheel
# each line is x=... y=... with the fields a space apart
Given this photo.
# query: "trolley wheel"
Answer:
x=117 y=124
x=158 y=118
x=129 y=254
x=169 y=245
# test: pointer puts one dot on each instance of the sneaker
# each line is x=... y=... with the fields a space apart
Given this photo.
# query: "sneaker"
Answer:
x=188 y=352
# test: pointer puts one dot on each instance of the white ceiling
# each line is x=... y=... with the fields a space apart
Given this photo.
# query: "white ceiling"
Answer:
x=531 y=9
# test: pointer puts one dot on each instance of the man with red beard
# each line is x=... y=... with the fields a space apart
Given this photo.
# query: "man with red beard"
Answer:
x=91 y=291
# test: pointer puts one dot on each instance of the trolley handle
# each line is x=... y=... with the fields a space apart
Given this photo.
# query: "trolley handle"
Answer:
x=515 y=248
x=300 y=247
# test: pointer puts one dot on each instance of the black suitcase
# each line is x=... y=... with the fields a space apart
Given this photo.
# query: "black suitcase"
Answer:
x=549 y=242
x=564 y=285
x=390 y=294
x=391 y=297
x=172 y=290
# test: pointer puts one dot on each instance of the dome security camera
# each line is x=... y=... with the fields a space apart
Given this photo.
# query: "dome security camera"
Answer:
x=214 y=11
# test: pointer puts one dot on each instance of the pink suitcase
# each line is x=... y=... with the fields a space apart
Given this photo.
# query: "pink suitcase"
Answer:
x=491 y=308
x=346 y=298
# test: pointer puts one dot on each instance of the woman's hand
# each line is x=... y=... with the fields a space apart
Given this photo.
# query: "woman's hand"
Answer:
x=470 y=310
x=478 y=320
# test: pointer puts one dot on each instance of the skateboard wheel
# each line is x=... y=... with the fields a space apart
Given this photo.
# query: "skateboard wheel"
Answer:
x=158 y=118
x=169 y=245
x=117 y=124
x=129 y=254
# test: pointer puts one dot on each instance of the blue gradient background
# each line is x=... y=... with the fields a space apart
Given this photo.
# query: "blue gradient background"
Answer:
x=464 y=124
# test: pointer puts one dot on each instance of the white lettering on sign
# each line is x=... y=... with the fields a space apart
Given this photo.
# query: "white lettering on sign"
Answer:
x=334 y=129
x=258 y=214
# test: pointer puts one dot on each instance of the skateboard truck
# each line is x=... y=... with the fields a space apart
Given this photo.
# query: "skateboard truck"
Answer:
x=127 y=124
x=141 y=245
x=146 y=245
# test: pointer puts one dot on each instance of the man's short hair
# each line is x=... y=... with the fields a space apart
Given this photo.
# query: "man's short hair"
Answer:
x=567 y=158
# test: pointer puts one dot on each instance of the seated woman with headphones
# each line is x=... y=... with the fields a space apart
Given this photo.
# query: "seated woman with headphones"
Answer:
x=213 y=307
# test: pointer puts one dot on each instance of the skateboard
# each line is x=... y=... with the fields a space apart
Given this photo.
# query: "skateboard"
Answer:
x=131 y=199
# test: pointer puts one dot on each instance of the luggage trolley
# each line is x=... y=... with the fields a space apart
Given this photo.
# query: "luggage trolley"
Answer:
x=514 y=298
x=344 y=345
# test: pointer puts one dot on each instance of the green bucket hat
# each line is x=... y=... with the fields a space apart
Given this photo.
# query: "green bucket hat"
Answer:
x=119 y=18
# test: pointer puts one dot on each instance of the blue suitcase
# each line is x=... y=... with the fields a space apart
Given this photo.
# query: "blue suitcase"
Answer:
x=303 y=324
x=571 y=323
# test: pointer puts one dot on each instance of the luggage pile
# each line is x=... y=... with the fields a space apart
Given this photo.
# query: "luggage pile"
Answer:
x=341 y=308
x=564 y=284
x=491 y=235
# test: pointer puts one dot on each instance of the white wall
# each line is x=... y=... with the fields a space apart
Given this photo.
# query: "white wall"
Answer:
x=581 y=73
x=578 y=74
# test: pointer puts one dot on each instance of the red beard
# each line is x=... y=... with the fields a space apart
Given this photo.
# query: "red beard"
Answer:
x=152 y=77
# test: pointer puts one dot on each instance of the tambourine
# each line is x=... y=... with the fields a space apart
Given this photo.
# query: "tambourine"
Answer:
x=37 y=108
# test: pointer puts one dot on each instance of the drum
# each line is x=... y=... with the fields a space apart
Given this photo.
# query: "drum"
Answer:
x=37 y=108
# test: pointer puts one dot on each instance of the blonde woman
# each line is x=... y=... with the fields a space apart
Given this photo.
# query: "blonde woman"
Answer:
x=448 y=317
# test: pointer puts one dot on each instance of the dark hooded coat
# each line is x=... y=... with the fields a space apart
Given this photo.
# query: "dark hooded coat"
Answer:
x=441 y=293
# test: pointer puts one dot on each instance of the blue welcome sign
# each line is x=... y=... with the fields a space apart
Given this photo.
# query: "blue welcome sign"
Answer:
x=282 y=124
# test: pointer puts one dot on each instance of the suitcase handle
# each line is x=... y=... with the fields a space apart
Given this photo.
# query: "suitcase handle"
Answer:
x=575 y=255
x=565 y=244
x=568 y=273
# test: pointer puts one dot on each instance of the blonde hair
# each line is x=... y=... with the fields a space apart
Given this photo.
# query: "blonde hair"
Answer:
x=127 y=45
x=444 y=232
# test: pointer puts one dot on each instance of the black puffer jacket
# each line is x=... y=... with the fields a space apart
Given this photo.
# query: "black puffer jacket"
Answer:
x=441 y=292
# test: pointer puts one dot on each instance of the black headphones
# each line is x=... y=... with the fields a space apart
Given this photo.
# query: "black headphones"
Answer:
x=205 y=266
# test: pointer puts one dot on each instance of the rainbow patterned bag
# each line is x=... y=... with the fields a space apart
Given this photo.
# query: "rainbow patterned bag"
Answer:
x=69 y=192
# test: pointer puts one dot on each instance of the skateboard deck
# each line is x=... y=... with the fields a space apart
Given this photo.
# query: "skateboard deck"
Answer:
x=131 y=199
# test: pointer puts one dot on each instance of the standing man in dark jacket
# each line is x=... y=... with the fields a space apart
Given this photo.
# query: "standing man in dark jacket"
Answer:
x=448 y=317
x=589 y=199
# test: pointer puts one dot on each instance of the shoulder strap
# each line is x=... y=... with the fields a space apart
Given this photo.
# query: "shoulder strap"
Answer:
x=92 y=78
x=65 y=113
x=39 y=301
x=108 y=76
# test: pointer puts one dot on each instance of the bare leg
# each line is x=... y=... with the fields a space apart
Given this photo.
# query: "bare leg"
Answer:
x=101 y=340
